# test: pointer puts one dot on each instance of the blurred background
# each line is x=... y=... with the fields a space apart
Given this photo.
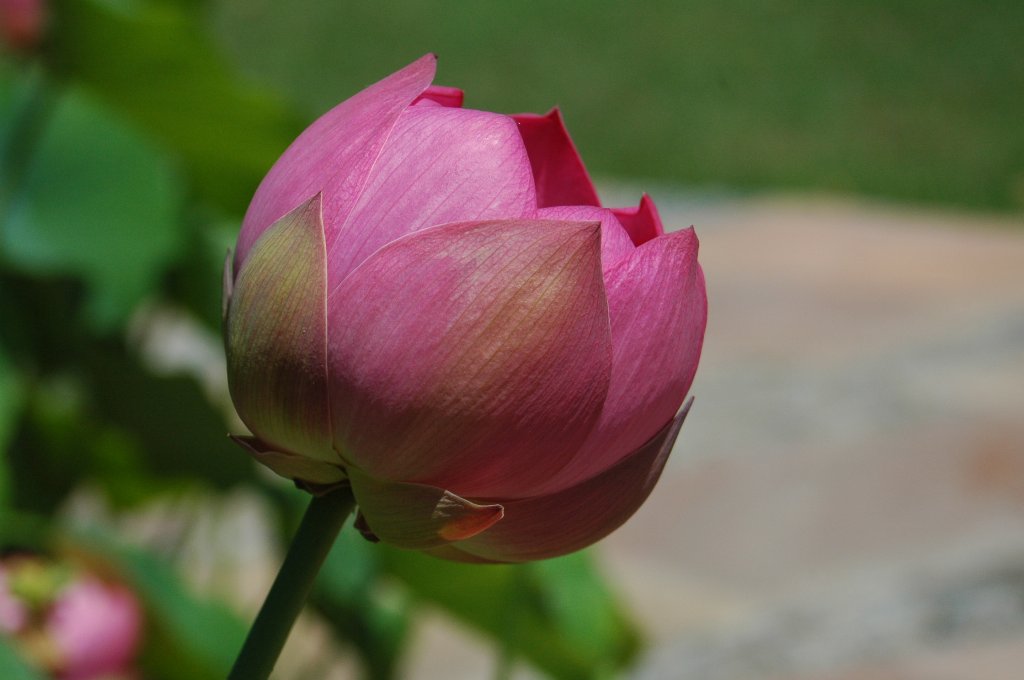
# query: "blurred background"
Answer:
x=846 y=501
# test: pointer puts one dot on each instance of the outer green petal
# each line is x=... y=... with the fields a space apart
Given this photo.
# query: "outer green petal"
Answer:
x=308 y=471
x=418 y=516
x=276 y=336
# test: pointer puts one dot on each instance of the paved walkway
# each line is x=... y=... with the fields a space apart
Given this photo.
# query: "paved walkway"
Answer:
x=846 y=500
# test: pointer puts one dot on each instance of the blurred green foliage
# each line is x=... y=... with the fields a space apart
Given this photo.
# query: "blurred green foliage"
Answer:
x=118 y=181
x=153 y=61
x=918 y=100
x=129 y=147
x=12 y=667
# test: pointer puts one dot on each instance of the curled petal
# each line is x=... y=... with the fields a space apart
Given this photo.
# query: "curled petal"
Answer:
x=473 y=356
x=571 y=519
x=334 y=155
x=290 y=465
x=440 y=95
x=558 y=170
x=643 y=222
x=658 y=308
x=418 y=516
x=439 y=165
x=615 y=243
x=275 y=336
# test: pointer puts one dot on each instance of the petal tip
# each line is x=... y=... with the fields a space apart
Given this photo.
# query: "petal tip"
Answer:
x=559 y=173
x=555 y=113
x=589 y=227
x=677 y=423
x=312 y=206
x=465 y=519
x=427 y=63
x=642 y=223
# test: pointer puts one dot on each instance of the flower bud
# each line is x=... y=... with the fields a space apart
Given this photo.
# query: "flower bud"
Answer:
x=430 y=304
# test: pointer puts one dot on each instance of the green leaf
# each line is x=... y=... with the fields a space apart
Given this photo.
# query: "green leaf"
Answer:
x=536 y=611
x=97 y=200
x=155 y=63
x=581 y=605
x=13 y=667
x=169 y=420
x=22 y=96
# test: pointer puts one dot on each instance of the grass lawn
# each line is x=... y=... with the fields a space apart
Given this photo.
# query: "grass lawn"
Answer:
x=915 y=100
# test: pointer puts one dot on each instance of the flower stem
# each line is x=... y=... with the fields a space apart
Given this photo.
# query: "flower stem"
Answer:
x=320 y=526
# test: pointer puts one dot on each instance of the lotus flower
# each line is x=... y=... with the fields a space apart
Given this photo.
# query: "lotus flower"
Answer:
x=429 y=303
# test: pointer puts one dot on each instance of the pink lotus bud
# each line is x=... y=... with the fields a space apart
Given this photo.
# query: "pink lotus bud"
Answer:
x=429 y=303
x=22 y=22
x=95 y=627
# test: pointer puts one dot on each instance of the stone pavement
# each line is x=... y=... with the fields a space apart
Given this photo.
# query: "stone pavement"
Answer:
x=846 y=500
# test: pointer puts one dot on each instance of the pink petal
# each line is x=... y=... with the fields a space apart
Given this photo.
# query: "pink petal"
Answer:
x=290 y=465
x=558 y=170
x=439 y=94
x=418 y=516
x=563 y=522
x=615 y=243
x=439 y=165
x=473 y=357
x=334 y=155
x=275 y=337
x=642 y=223
x=658 y=308
x=96 y=628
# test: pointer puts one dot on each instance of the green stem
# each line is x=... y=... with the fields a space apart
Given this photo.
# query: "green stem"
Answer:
x=320 y=526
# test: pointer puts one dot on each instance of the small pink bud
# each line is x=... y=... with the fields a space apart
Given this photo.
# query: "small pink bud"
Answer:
x=96 y=628
x=22 y=23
